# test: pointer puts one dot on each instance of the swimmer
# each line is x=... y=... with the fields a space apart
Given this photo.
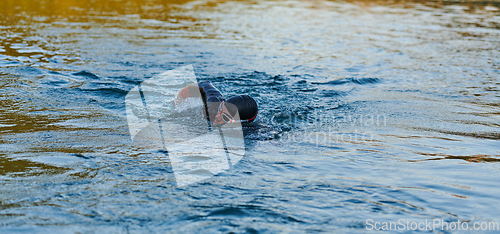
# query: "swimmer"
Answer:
x=241 y=108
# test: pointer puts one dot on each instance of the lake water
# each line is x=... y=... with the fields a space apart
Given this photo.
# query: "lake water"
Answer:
x=369 y=110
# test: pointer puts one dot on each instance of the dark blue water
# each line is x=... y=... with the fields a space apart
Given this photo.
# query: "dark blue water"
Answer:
x=375 y=111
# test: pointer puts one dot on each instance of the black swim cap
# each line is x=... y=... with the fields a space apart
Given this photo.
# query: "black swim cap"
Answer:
x=245 y=105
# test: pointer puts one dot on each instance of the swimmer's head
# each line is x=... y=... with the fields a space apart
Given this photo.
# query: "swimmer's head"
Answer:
x=245 y=105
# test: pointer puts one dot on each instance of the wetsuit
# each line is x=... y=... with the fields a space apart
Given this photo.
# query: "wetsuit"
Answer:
x=211 y=96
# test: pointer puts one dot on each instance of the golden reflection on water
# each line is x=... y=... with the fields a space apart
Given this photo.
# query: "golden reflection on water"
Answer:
x=83 y=7
x=473 y=158
x=64 y=8
x=13 y=166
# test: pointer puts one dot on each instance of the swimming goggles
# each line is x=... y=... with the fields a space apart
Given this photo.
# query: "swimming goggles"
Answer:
x=225 y=116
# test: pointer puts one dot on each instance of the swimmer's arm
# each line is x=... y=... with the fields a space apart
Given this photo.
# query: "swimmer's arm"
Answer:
x=192 y=90
x=204 y=88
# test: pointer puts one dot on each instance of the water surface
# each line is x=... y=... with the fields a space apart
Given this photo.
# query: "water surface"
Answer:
x=368 y=110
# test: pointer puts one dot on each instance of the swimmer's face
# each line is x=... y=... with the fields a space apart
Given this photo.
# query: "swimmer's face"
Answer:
x=223 y=116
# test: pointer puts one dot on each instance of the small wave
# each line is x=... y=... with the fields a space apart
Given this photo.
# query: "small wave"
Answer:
x=360 y=81
x=109 y=92
x=86 y=74
x=29 y=70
